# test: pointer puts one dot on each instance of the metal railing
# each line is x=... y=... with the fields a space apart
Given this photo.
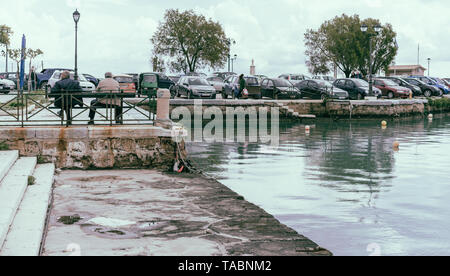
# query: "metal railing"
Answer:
x=20 y=108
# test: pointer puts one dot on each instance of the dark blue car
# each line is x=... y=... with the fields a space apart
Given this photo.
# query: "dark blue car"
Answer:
x=91 y=79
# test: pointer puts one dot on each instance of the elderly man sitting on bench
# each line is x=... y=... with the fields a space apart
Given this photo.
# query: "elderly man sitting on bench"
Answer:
x=108 y=85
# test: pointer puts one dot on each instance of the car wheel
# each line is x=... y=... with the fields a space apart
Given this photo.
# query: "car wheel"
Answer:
x=390 y=95
x=427 y=93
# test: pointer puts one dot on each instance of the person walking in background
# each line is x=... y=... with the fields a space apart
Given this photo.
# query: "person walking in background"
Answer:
x=62 y=92
x=242 y=86
x=108 y=85
x=33 y=79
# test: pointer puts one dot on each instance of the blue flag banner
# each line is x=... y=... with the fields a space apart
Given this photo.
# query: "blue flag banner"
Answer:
x=22 y=61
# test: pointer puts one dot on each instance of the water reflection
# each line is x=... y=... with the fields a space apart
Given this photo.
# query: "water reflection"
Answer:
x=344 y=186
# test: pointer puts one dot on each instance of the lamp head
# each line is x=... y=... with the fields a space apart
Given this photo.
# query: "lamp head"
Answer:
x=76 y=16
x=364 y=28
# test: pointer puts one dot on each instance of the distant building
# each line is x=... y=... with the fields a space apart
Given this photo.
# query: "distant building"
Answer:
x=406 y=70
x=253 y=68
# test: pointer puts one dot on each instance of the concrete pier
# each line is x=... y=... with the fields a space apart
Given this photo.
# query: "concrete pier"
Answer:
x=345 y=109
x=146 y=212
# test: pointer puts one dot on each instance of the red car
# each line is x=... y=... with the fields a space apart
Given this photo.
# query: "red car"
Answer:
x=391 y=89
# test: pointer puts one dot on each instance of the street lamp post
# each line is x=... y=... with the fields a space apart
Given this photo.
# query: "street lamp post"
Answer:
x=377 y=30
x=229 y=41
x=232 y=63
x=76 y=18
x=429 y=59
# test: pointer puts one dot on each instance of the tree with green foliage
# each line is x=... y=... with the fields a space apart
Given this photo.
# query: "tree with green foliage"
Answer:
x=190 y=42
x=5 y=34
x=341 y=42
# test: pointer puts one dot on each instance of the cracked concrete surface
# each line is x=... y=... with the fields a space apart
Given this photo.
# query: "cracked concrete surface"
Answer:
x=146 y=212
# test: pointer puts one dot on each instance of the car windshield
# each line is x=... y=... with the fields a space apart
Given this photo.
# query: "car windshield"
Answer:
x=438 y=81
x=198 y=81
x=360 y=83
x=323 y=83
x=150 y=78
x=251 y=81
x=282 y=83
x=124 y=79
x=390 y=83
x=215 y=79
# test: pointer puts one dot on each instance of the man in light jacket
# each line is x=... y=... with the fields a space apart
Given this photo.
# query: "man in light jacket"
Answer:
x=108 y=85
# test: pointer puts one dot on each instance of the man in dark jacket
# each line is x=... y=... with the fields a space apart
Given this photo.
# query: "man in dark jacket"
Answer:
x=33 y=79
x=62 y=91
x=242 y=85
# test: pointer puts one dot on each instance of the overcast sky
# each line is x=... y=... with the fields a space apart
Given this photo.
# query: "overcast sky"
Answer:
x=114 y=35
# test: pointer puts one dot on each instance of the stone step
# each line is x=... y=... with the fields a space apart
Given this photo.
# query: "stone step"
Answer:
x=12 y=189
x=7 y=159
x=25 y=234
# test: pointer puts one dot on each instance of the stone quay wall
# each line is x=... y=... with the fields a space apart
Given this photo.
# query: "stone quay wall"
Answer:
x=95 y=147
x=334 y=109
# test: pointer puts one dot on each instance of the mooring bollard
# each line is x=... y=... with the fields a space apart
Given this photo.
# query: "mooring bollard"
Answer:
x=162 y=106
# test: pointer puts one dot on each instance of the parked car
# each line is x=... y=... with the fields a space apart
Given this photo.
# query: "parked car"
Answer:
x=294 y=78
x=447 y=82
x=135 y=79
x=164 y=81
x=231 y=87
x=44 y=76
x=320 y=89
x=260 y=78
x=401 y=82
x=427 y=90
x=217 y=82
x=195 y=87
x=432 y=82
x=223 y=75
x=391 y=89
x=6 y=86
x=195 y=74
x=12 y=76
x=85 y=85
x=356 y=88
x=278 y=88
x=126 y=83
x=325 y=78
x=175 y=78
x=148 y=84
x=442 y=85
x=91 y=79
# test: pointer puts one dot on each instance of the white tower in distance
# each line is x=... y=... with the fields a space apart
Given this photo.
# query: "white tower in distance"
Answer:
x=253 y=68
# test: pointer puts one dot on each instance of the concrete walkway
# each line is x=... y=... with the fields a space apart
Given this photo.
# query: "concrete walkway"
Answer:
x=146 y=212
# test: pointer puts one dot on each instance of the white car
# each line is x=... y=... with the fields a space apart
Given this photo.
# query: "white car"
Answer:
x=85 y=85
x=217 y=83
x=6 y=86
